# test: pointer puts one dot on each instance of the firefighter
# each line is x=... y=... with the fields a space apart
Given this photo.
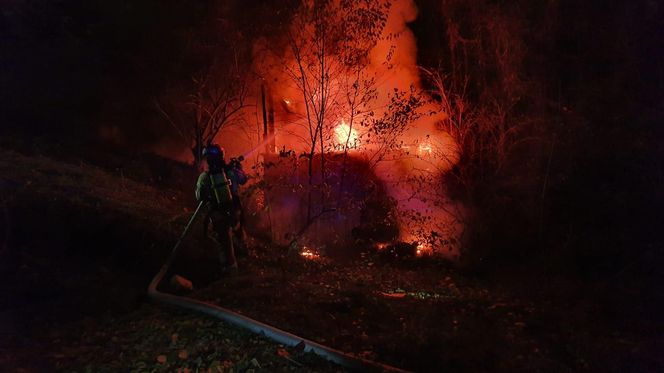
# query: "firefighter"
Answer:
x=219 y=186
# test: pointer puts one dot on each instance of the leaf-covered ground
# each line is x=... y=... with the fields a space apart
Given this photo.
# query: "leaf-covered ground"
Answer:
x=423 y=315
x=82 y=243
x=154 y=339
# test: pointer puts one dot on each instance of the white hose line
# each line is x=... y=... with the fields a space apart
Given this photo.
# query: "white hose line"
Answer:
x=278 y=335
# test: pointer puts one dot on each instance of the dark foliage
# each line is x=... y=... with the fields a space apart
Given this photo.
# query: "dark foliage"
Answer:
x=583 y=85
x=584 y=82
x=94 y=68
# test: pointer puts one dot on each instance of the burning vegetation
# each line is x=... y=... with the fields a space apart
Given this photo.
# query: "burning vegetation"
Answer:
x=465 y=185
x=348 y=91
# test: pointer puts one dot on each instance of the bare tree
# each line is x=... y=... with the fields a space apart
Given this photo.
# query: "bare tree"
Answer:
x=329 y=44
x=485 y=133
x=214 y=100
x=328 y=63
x=479 y=87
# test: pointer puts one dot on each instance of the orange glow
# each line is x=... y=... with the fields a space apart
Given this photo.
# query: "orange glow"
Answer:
x=409 y=165
x=346 y=136
x=393 y=295
x=425 y=148
x=309 y=254
x=423 y=249
x=381 y=246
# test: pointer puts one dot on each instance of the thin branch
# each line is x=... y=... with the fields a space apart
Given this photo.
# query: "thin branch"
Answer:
x=169 y=120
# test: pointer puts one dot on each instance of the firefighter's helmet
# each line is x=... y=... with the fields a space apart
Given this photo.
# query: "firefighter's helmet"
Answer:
x=213 y=150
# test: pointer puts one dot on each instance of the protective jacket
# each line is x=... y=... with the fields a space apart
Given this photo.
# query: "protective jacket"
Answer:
x=221 y=189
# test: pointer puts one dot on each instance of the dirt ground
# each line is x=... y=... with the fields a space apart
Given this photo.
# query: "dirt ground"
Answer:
x=81 y=247
x=423 y=315
x=84 y=243
x=153 y=339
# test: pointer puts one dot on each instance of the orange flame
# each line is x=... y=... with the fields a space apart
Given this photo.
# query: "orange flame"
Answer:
x=425 y=148
x=381 y=246
x=423 y=249
x=309 y=254
x=346 y=136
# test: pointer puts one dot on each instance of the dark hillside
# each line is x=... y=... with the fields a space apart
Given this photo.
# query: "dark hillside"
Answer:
x=79 y=246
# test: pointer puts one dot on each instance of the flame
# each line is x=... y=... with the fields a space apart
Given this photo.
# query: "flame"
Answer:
x=346 y=136
x=425 y=148
x=381 y=246
x=423 y=249
x=393 y=295
x=309 y=254
x=411 y=174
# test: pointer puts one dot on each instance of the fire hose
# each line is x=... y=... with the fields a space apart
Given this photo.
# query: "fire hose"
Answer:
x=278 y=335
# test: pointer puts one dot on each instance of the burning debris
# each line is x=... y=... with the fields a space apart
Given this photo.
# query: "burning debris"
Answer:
x=403 y=249
x=358 y=102
x=309 y=253
x=366 y=105
x=423 y=250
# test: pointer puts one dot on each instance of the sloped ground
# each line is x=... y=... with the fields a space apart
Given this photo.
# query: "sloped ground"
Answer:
x=421 y=315
x=81 y=243
x=79 y=247
x=152 y=339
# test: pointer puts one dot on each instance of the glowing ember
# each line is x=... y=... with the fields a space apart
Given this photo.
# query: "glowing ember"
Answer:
x=393 y=295
x=425 y=148
x=346 y=136
x=423 y=249
x=309 y=254
x=381 y=246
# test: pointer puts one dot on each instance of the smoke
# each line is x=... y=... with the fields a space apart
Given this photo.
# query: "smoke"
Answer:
x=411 y=173
x=414 y=179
